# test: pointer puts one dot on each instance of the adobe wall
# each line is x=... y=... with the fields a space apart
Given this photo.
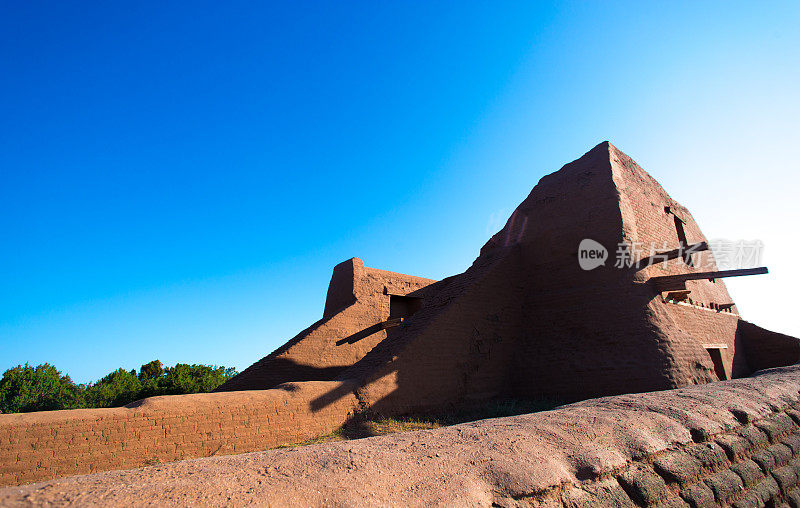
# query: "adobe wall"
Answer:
x=733 y=443
x=645 y=220
x=357 y=302
x=592 y=333
x=605 y=331
x=765 y=349
x=455 y=351
x=525 y=320
x=49 y=444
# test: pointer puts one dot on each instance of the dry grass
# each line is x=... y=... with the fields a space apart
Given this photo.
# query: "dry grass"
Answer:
x=380 y=426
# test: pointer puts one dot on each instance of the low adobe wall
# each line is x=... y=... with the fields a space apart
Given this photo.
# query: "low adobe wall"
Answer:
x=731 y=443
x=50 y=444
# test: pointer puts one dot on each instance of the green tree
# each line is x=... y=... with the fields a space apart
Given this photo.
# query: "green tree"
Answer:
x=151 y=370
x=26 y=388
x=184 y=378
x=116 y=389
x=41 y=388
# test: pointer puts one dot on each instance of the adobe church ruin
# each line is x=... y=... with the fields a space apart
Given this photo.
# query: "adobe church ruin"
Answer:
x=526 y=320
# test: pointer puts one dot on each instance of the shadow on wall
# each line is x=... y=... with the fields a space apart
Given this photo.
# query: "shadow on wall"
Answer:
x=285 y=370
x=363 y=334
x=362 y=308
x=765 y=349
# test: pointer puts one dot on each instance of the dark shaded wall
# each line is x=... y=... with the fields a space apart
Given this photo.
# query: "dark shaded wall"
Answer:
x=764 y=349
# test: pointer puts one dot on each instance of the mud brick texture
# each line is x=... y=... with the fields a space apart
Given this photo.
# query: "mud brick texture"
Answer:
x=49 y=444
x=731 y=443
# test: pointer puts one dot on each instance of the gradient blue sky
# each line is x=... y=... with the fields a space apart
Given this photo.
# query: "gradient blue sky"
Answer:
x=177 y=180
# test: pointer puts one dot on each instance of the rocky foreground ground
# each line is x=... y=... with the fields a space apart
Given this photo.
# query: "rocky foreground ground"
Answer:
x=734 y=442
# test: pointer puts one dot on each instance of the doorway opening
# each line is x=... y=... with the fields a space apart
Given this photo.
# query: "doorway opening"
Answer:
x=716 y=352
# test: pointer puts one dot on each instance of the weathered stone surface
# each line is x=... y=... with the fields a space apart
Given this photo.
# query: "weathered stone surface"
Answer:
x=711 y=456
x=776 y=427
x=765 y=460
x=699 y=495
x=767 y=490
x=749 y=500
x=674 y=502
x=643 y=485
x=678 y=466
x=794 y=414
x=597 y=494
x=781 y=452
x=793 y=442
x=735 y=446
x=725 y=485
x=794 y=499
x=755 y=436
x=749 y=472
x=786 y=477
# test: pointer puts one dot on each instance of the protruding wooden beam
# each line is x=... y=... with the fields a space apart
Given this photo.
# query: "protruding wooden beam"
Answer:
x=391 y=323
x=674 y=282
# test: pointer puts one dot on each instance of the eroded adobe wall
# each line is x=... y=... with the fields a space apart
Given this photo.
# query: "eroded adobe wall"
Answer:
x=479 y=334
x=526 y=320
x=588 y=332
x=50 y=444
x=607 y=328
x=358 y=301
x=649 y=224
x=455 y=351
x=733 y=443
x=765 y=349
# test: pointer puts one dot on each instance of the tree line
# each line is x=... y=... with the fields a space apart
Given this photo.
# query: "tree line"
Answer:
x=25 y=388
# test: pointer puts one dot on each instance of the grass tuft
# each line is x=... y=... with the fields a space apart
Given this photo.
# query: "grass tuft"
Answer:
x=377 y=425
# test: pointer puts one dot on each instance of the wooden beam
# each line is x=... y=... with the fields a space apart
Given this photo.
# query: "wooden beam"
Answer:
x=391 y=323
x=669 y=282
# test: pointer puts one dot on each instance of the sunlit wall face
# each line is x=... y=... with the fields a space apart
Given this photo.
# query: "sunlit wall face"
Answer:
x=177 y=182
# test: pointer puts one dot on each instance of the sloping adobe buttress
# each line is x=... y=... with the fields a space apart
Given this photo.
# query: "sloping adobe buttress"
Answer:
x=526 y=320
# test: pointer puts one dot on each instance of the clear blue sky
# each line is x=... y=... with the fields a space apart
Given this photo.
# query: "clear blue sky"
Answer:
x=177 y=179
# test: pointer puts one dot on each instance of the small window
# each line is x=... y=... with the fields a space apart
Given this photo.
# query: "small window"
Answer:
x=687 y=258
x=403 y=306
